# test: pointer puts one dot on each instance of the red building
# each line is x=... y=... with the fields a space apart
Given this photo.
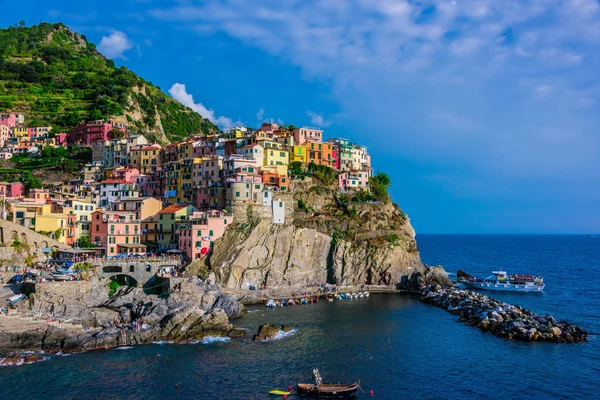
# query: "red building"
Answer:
x=88 y=133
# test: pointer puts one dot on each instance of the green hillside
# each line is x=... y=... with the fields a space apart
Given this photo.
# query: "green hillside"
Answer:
x=56 y=77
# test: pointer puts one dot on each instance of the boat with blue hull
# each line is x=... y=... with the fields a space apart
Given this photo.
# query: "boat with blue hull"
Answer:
x=501 y=281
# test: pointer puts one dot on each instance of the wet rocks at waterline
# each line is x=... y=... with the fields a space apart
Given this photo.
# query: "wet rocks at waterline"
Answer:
x=501 y=319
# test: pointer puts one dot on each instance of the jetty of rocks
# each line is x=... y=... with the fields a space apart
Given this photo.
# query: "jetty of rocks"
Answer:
x=501 y=319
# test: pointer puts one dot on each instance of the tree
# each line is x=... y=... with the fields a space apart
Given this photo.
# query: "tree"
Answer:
x=116 y=134
x=84 y=242
x=379 y=186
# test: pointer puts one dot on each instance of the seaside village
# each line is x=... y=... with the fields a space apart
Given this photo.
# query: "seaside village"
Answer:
x=141 y=198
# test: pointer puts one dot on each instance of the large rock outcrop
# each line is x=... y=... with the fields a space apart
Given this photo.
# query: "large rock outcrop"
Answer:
x=191 y=311
x=328 y=238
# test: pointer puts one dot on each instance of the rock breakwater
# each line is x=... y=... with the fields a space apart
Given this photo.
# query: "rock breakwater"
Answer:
x=500 y=318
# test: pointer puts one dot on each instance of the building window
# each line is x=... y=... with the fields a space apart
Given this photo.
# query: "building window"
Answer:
x=225 y=221
x=237 y=194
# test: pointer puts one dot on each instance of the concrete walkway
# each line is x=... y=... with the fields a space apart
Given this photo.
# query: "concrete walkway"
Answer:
x=261 y=296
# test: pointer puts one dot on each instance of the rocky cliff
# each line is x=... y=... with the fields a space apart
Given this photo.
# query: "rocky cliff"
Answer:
x=328 y=237
x=83 y=316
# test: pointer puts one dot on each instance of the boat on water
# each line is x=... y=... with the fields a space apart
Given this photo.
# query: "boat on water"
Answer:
x=501 y=281
x=271 y=303
x=327 y=390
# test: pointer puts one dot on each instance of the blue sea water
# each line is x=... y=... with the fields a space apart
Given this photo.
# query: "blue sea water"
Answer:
x=396 y=346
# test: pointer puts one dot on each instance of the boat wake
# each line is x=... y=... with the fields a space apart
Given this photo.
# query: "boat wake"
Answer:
x=160 y=343
x=280 y=335
x=124 y=348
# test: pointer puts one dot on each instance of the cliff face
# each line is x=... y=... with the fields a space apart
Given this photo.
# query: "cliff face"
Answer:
x=327 y=238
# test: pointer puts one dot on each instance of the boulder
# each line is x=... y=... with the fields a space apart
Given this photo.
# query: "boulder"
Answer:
x=268 y=331
x=555 y=331
x=31 y=358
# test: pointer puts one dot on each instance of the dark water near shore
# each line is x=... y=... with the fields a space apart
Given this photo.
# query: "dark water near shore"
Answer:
x=397 y=346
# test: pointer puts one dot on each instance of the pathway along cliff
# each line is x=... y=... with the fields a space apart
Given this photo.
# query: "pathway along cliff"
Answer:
x=327 y=237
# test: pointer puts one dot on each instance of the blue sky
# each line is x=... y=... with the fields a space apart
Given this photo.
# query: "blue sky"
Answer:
x=483 y=112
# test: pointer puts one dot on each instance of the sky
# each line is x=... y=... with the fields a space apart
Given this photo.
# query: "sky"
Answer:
x=483 y=112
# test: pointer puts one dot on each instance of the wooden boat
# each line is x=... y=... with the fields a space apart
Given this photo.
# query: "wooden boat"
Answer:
x=327 y=390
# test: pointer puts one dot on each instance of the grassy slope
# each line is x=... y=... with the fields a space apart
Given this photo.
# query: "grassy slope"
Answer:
x=56 y=77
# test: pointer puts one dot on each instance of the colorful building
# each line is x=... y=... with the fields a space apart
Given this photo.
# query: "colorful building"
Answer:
x=12 y=189
x=168 y=218
x=11 y=120
x=87 y=133
x=304 y=134
x=354 y=181
x=117 y=232
x=197 y=235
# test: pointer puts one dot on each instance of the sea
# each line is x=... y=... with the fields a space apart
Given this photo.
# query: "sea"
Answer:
x=398 y=347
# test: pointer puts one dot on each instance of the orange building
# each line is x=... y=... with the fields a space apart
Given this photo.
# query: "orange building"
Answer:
x=320 y=153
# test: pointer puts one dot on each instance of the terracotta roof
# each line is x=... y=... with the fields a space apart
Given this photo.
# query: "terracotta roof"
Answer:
x=173 y=208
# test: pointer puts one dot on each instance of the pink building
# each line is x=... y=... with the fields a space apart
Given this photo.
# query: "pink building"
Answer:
x=128 y=175
x=211 y=197
x=269 y=127
x=88 y=133
x=204 y=148
x=11 y=120
x=354 y=181
x=38 y=132
x=335 y=156
x=197 y=235
x=303 y=135
x=12 y=189
x=60 y=139
x=116 y=232
x=147 y=184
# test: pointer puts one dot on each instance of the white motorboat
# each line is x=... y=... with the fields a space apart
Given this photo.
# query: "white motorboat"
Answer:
x=500 y=280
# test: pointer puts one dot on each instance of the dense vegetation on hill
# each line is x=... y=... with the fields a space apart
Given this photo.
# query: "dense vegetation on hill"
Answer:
x=57 y=78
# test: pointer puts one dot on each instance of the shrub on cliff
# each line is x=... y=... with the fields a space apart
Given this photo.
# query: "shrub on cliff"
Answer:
x=379 y=186
x=323 y=173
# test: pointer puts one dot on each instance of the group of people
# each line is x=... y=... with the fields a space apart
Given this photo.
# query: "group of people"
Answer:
x=136 y=324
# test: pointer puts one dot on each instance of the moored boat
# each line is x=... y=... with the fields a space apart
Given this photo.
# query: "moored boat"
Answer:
x=501 y=281
x=327 y=390
x=271 y=303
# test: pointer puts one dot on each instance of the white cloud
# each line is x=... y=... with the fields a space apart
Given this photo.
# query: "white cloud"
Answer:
x=260 y=116
x=390 y=63
x=317 y=119
x=179 y=92
x=114 y=45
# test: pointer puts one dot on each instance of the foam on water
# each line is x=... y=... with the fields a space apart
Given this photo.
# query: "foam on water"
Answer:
x=215 y=339
x=280 y=335
x=124 y=348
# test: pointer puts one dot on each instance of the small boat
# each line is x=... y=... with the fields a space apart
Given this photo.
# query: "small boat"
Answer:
x=271 y=303
x=330 y=299
x=327 y=390
x=366 y=294
x=279 y=392
x=360 y=295
x=500 y=280
x=61 y=277
x=291 y=303
x=304 y=301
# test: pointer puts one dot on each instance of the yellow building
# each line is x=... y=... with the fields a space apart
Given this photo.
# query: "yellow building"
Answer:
x=83 y=211
x=19 y=133
x=235 y=133
x=47 y=221
x=275 y=153
x=25 y=213
x=298 y=154
x=147 y=159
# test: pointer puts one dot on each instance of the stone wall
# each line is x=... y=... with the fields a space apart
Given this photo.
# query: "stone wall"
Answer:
x=33 y=242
